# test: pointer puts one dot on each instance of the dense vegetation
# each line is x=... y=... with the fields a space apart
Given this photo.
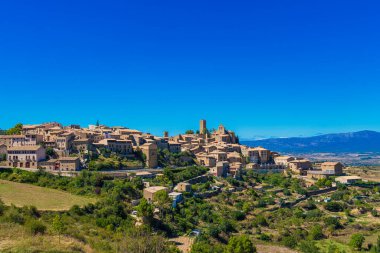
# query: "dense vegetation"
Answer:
x=248 y=211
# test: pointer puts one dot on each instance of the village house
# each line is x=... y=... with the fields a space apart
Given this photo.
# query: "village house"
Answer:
x=183 y=187
x=150 y=152
x=300 y=166
x=177 y=197
x=12 y=140
x=283 y=160
x=174 y=147
x=334 y=167
x=62 y=164
x=150 y=192
x=348 y=179
x=206 y=160
x=25 y=156
x=123 y=147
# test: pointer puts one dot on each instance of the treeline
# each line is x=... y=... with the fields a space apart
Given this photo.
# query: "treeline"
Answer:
x=182 y=174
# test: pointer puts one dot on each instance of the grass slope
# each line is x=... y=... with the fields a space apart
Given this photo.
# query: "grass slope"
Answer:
x=43 y=198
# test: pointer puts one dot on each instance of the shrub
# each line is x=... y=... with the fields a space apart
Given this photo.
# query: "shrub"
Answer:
x=334 y=207
x=15 y=217
x=333 y=222
x=316 y=233
x=265 y=237
x=357 y=241
x=289 y=241
x=238 y=215
x=308 y=247
x=260 y=220
x=2 y=207
x=240 y=244
x=36 y=227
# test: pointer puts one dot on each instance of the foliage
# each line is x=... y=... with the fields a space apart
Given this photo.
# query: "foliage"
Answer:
x=356 y=241
x=206 y=247
x=334 y=206
x=166 y=158
x=289 y=241
x=58 y=225
x=316 y=233
x=240 y=244
x=36 y=227
x=308 y=247
x=15 y=130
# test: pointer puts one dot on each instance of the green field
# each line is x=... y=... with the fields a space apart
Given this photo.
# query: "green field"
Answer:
x=43 y=198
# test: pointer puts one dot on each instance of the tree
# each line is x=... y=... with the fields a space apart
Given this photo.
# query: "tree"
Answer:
x=15 y=130
x=58 y=226
x=36 y=227
x=289 y=241
x=357 y=241
x=316 y=233
x=50 y=152
x=240 y=244
x=334 y=207
x=308 y=247
x=189 y=132
x=163 y=201
x=145 y=210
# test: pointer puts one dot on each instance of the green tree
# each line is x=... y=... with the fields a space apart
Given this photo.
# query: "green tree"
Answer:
x=289 y=241
x=308 y=247
x=36 y=227
x=162 y=201
x=58 y=226
x=189 y=132
x=145 y=210
x=357 y=241
x=15 y=130
x=316 y=233
x=240 y=244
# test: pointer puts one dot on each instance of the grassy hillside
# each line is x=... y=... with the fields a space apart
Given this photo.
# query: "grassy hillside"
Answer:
x=43 y=198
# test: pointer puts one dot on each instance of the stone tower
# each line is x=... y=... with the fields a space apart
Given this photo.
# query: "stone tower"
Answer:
x=202 y=126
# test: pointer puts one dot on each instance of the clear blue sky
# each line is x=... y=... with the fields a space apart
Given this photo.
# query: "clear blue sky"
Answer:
x=263 y=68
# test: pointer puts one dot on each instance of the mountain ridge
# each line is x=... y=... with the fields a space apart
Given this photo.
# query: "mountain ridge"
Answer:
x=360 y=141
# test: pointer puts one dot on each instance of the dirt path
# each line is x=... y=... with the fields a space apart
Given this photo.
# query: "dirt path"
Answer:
x=273 y=249
x=183 y=243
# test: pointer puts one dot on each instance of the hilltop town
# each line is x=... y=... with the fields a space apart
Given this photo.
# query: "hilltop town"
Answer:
x=58 y=148
x=116 y=189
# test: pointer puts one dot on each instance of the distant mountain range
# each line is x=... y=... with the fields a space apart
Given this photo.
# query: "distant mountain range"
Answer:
x=363 y=141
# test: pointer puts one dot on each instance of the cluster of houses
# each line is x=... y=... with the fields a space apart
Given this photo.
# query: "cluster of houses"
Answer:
x=72 y=143
x=219 y=150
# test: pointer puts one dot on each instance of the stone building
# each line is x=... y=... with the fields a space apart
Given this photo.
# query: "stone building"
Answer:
x=150 y=152
x=25 y=156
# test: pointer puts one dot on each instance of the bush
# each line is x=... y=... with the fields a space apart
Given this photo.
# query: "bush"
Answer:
x=316 y=233
x=240 y=244
x=265 y=237
x=289 y=241
x=260 y=220
x=334 y=207
x=308 y=247
x=238 y=215
x=357 y=241
x=333 y=222
x=15 y=217
x=2 y=207
x=36 y=227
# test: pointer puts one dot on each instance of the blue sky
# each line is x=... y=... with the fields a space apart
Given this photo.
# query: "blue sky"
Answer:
x=263 y=68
